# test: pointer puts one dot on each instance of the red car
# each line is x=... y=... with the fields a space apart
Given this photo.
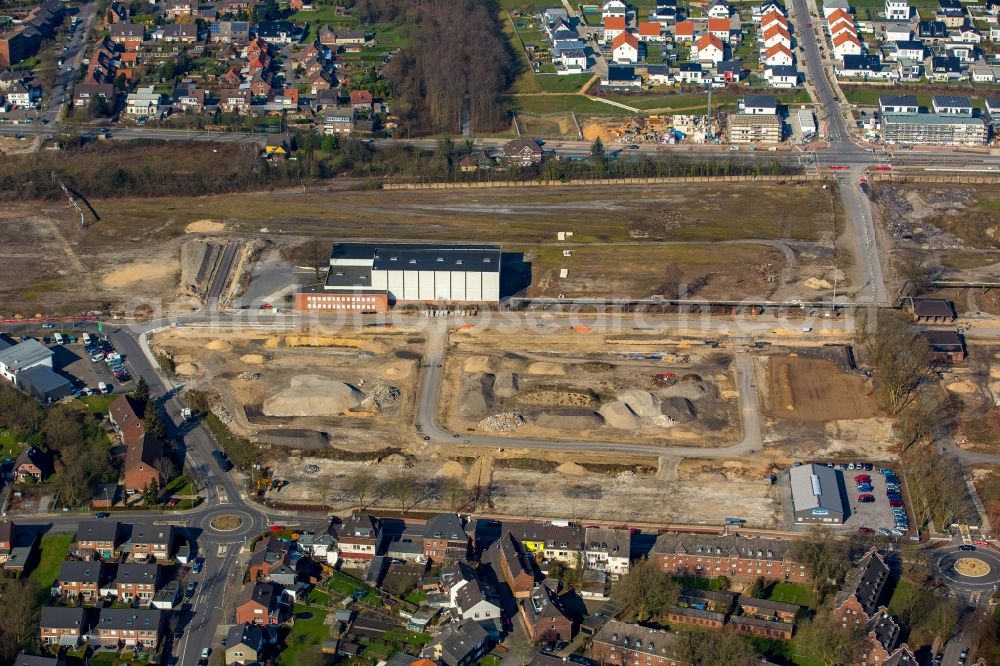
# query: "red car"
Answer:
x=867 y=498
x=865 y=530
x=862 y=478
x=895 y=504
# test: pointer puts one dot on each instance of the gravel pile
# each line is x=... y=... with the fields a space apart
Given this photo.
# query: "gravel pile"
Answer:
x=222 y=413
x=662 y=421
x=249 y=376
x=502 y=422
x=625 y=478
x=381 y=396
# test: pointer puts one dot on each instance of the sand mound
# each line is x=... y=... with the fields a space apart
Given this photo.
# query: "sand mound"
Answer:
x=546 y=368
x=187 y=369
x=618 y=415
x=570 y=419
x=689 y=391
x=396 y=370
x=476 y=364
x=962 y=388
x=453 y=469
x=817 y=284
x=204 y=227
x=643 y=403
x=252 y=358
x=995 y=371
x=505 y=384
x=477 y=397
x=133 y=273
x=219 y=345
x=310 y=395
x=571 y=469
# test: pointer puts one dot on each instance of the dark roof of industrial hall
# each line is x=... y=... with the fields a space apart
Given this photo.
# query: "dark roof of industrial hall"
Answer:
x=423 y=256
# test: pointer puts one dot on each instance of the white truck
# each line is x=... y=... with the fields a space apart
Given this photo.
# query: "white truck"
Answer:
x=58 y=338
x=86 y=338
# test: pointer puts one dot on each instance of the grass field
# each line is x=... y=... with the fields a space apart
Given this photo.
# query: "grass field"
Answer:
x=308 y=630
x=54 y=548
x=792 y=593
x=698 y=101
x=868 y=96
x=555 y=83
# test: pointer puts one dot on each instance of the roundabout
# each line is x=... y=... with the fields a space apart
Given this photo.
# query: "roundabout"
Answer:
x=968 y=570
x=230 y=523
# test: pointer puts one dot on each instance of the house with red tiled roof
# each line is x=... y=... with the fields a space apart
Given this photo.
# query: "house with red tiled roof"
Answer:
x=684 y=31
x=708 y=49
x=625 y=48
x=779 y=54
x=650 y=31
x=776 y=34
x=361 y=100
x=846 y=43
x=720 y=27
x=613 y=26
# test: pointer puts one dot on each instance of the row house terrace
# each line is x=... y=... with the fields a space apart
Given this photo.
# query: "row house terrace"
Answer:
x=736 y=557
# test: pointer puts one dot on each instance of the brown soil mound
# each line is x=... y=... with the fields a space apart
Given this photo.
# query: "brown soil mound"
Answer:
x=571 y=469
x=204 y=227
x=219 y=345
x=252 y=358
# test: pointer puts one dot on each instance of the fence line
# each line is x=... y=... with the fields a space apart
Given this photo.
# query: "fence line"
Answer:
x=600 y=181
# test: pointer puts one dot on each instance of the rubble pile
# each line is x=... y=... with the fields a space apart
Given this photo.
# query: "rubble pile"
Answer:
x=249 y=376
x=222 y=413
x=502 y=422
x=381 y=396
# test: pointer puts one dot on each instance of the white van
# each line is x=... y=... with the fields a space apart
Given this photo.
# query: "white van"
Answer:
x=58 y=338
x=86 y=338
x=104 y=388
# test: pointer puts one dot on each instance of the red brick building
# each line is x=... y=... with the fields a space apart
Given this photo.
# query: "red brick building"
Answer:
x=735 y=557
x=621 y=644
x=546 y=617
x=861 y=596
x=517 y=570
x=444 y=539
x=260 y=603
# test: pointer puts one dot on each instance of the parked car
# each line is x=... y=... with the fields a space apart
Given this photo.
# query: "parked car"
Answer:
x=104 y=388
x=866 y=499
x=869 y=467
x=895 y=503
x=865 y=488
x=883 y=531
x=862 y=478
x=865 y=530
x=196 y=567
x=189 y=591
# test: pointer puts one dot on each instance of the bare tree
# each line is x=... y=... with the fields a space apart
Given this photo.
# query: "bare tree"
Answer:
x=18 y=617
x=454 y=493
x=405 y=488
x=167 y=467
x=831 y=643
x=314 y=254
x=897 y=353
x=360 y=486
x=323 y=489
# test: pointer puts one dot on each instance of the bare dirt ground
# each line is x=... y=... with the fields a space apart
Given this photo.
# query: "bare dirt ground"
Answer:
x=806 y=389
x=986 y=479
x=590 y=385
x=316 y=392
x=589 y=487
x=137 y=246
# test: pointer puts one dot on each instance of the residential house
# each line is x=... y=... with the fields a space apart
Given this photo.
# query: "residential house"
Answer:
x=718 y=9
x=229 y=32
x=896 y=31
x=186 y=33
x=546 y=617
x=151 y=542
x=175 y=8
x=621 y=77
x=613 y=27
x=616 y=8
x=188 y=97
x=951 y=13
x=23 y=94
x=130 y=627
x=521 y=152
x=863 y=67
x=279 y=32
x=444 y=538
x=720 y=27
x=702 y=608
x=143 y=103
x=361 y=100
x=898 y=104
x=260 y=603
x=318 y=82
x=476 y=601
x=625 y=49
x=731 y=71
x=236 y=101
x=320 y=546
x=779 y=54
x=861 y=595
x=117 y=13
x=260 y=86
x=143 y=460
x=684 y=31
x=85 y=93
x=946 y=68
x=98 y=537
x=245 y=644
x=751 y=105
x=782 y=76
x=32 y=465
x=349 y=38
x=129 y=35
x=776 y=34
x=650 y=31
x=952 y=104
x=607 y=549
x=359 y=537
x=735 y=557
x=912 y=49
x=269 y=554
x=690 y=72
x=882 y=635
x=708 y=50
x=556 y=540
x=517 y=569
x=326 y=36
x=461 y=645
x=846 y=44
x=81 y=579
x=338 y=119
x=932 y=31
x=622 y=644
x=897 y=10
x=136 y=581
x=63 y=627
x=764 y=617
x=126 y=415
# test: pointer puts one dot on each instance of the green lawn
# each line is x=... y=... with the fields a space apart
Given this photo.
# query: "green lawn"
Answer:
x=566 y=83
x=305 y=632
x=562 y=104
x=98 y=404
x=699 y=100
x=868 y=96
x=697 y=583
x=54 y=547
x=325 y=15
x=406 y=637
x=793 y=593
x=345 y=585
x=416 y=597
x=903 y=590
x=8 y=444
x=181 y=485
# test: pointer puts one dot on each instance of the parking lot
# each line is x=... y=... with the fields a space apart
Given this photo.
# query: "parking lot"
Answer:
x=75 y=362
